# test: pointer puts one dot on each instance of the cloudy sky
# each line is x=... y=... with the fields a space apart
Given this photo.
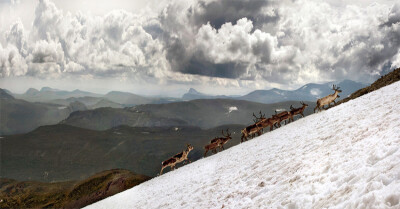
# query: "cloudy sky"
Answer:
x=160 y=47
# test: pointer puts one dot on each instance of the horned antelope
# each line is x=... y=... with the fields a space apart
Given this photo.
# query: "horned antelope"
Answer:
x=283 y=116
x=265 y=122
x=222 y=140
x=251 y=131
x=328 y=99
x=296 y=111
x=182 y=156
x=259 y=120
x=270 y=122
x=212 y=146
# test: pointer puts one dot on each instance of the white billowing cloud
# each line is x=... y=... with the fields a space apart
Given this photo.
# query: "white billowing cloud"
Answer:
x=334 y=44
x=233 y=43
x=83 y=44
x=16 y=36
x=246 y=43
x=11 y=62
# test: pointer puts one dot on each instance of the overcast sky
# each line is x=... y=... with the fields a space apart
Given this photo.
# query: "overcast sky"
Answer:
x=216 y=46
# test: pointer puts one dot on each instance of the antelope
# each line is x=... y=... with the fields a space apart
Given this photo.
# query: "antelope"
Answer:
x=296 y=111
x=328 y=99
x=264 y=122
x=270 y=122
x=222 y=140
x=212 y=146
x=259 y=121
x=182 y=156
x=283 y=116
x=251 y=131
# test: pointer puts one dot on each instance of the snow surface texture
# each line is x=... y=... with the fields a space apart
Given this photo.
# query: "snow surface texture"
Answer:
x=344 y=157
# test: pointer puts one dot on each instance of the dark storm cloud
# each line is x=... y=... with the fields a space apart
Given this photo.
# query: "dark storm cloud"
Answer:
x=181 y=24
x=393 y=16
x=223 y=11
x=197 y=66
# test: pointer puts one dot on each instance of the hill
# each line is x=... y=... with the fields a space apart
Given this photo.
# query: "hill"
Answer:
x=20 y=116
x=70 y=194
x=193 y=94
x=205 y=113
x=127 y=99
x=344 y=157
x=62 y=152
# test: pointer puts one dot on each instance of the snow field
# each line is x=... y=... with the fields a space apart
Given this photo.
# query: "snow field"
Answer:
x=344 y=157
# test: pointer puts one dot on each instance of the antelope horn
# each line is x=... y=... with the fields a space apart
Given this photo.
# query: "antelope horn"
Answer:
x=291 y=107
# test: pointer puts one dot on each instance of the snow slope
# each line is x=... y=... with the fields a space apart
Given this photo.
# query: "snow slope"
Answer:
x=345 y=157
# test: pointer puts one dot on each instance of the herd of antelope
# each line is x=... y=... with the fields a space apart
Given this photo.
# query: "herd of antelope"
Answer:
x=260 y=123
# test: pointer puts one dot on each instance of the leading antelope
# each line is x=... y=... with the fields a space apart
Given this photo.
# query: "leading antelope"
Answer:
x=328 y=99
x=182 y=156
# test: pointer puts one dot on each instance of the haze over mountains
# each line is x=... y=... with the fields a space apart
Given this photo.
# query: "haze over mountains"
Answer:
x=25 y=112
x=204 y=113
x=20 y=116
x=308 y=92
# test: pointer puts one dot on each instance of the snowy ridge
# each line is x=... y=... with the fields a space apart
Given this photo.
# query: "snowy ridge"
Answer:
x=345 y=157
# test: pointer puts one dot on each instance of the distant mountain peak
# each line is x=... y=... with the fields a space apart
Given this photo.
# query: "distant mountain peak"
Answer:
x=193 y=91
x=46 y=88
x=5 y=95
x=31 y=91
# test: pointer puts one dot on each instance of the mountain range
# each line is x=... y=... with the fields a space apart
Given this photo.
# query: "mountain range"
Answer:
x=24 y=112
x=116 y=99
x=308 y=92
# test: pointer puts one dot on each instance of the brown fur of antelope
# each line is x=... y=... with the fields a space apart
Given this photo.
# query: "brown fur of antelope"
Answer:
x=251 y=131
x=259 y=121
x=212 y=146
x=222 y=140
x=182 y=156
x=328 y=99
x=265 y=122
x=296 y=111
x=283 y=116
x=270 y=122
